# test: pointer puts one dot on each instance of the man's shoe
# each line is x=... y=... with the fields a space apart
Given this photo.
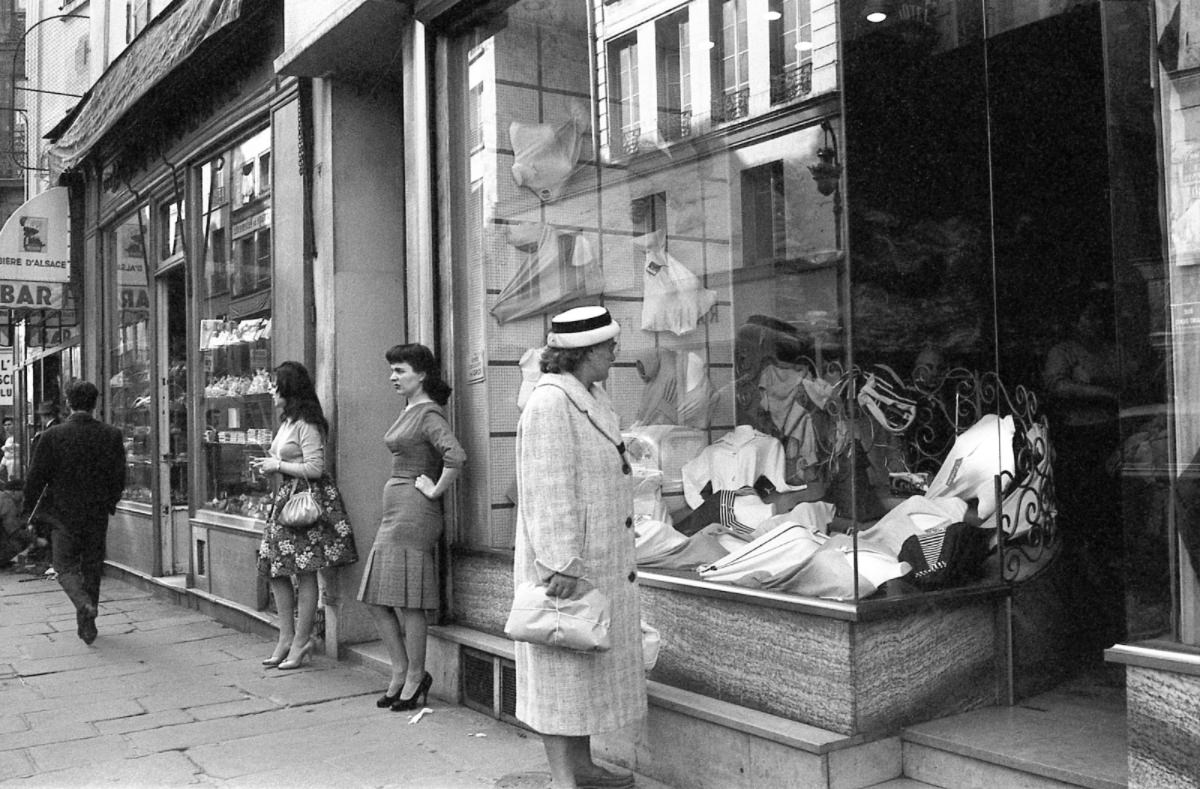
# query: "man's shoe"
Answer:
x=85 y=619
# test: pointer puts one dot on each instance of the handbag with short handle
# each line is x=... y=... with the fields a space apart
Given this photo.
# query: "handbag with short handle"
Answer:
x=580 y=623
x=301 y=509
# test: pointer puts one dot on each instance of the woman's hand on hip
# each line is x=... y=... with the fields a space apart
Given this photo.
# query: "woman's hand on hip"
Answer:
x=424 y=484
x=561 y=585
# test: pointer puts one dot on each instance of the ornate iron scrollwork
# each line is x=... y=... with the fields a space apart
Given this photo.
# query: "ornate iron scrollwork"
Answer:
x=1024 y=521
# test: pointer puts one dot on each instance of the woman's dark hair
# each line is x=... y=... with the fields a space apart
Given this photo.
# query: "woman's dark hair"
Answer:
x=422 y=360
x=295 y=386
x=563 y=360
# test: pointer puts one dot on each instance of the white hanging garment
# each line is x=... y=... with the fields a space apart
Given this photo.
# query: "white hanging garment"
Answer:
x=559 y=268
x=698 y=398
x=546 y=154
x=673 y=298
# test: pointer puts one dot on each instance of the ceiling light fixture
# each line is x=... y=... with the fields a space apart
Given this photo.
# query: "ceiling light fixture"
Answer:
x=876 y=11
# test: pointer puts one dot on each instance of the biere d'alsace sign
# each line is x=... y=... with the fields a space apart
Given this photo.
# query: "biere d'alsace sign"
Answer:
x=35 y=253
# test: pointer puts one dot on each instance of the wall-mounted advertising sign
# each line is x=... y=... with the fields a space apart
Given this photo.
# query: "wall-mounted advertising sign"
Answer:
x=35 y=253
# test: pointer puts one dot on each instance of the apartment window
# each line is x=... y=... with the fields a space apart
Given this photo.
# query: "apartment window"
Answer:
x=730 y=61
x=624 y=122
x=764 y=232
x=674 y=76
x=790 y=30
x=137 y=16
x=170 y=229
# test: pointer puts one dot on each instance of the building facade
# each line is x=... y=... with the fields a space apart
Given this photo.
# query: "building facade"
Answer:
x=852 y=235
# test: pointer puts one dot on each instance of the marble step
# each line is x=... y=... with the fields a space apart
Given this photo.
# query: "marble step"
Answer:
x=1060 y=739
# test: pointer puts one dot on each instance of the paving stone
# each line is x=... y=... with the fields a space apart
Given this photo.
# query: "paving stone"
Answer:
x=190 y=695
x=90 y=751
x=230 y=730
x=232 y=709
x=143 y=721
x=15 y=765
x=12 y=722
x=36 y=737
x=53 y=665
x=157 y=770
x=86 y=710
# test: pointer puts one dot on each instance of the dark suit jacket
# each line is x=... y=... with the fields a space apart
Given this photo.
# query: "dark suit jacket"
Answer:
x=81 y=465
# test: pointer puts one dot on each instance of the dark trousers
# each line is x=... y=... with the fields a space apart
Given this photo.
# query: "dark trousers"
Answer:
x=79 y=560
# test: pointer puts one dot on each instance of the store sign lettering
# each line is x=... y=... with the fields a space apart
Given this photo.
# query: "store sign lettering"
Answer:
x=6 y=377
x=26 y=295
x=135 y=299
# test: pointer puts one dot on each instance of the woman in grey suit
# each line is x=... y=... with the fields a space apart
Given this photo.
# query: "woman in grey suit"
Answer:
x=401 y=580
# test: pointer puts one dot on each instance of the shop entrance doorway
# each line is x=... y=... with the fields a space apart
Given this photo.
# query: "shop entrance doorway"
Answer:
x=991 y=167
x=173 y=422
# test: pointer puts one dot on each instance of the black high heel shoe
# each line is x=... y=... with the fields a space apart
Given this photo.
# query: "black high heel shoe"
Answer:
x=387 y=700
x=411 y=702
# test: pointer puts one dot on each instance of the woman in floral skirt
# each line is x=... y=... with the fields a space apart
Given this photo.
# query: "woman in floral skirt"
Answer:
x=291 y=556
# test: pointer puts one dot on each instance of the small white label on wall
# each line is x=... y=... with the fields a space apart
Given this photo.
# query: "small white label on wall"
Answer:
x=475 y=367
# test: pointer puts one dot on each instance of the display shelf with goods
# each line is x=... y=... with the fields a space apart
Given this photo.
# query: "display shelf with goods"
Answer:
x=239 y=416
x=236 y=406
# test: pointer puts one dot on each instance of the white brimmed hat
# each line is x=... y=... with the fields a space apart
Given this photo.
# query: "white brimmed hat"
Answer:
x=582 y=327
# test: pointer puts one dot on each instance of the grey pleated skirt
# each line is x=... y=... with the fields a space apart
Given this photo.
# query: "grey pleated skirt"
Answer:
x=401 y=570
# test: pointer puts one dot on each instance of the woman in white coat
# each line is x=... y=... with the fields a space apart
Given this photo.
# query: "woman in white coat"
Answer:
x=575 y=526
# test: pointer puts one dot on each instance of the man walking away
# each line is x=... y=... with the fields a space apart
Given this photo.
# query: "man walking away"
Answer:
x=81 y=466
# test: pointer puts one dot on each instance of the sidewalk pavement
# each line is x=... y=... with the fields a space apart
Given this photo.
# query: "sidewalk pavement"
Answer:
x=169 y=697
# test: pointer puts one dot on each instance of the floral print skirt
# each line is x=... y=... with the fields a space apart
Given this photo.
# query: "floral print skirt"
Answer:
x=329 y=542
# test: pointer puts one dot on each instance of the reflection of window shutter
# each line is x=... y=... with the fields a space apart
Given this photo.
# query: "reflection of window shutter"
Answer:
x=82 y=53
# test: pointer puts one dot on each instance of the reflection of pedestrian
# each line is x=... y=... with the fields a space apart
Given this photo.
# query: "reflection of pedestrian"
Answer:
x=1082 y=377
x=9 y=463
x=573 y=526
x=401 y=580
x=47 y=412
x=81 y=467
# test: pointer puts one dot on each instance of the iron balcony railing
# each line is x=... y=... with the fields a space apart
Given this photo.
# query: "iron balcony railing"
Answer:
x=793 y=82
x=731 y=105
x=674 y=124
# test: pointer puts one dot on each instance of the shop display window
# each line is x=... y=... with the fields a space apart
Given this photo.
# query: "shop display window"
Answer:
x=818 y=234
x=235 y=327
x=129 y=387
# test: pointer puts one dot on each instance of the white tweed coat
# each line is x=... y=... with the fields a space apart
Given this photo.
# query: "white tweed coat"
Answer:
x=574 y=516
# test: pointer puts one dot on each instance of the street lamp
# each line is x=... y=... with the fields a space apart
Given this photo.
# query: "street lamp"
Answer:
x=827 y=173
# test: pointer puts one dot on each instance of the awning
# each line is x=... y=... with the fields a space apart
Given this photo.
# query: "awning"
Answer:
x=170 y=39
x=358 y=36
x=35 y=253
